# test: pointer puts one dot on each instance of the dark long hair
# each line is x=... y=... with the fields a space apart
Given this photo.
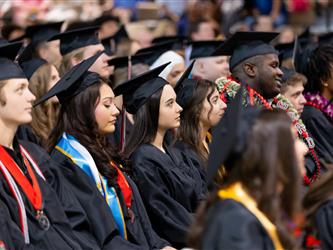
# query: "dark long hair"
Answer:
x=319 y=192
x=189 y=131
x=268 y=163
x=77 y=118
x=145 y=124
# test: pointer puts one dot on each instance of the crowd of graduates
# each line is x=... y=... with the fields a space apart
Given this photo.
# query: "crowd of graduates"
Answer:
x=186 y=142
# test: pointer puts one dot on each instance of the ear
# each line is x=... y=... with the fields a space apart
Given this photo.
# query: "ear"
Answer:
x=200 y=66
x=250 y=70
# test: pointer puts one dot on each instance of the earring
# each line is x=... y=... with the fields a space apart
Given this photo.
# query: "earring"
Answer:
x=325 y=84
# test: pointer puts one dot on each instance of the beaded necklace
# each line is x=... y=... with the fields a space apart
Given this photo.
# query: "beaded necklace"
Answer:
x=228 y=88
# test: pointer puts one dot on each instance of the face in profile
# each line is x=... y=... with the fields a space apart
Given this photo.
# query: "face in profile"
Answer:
x=100 y=66
x=106 y=111
x=16 y=102
x=295 y=96
x=169 y=113
x=269 y=76
x=175 y=73
x=213 y=109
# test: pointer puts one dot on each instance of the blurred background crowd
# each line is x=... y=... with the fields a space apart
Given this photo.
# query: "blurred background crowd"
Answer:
x=199 y=19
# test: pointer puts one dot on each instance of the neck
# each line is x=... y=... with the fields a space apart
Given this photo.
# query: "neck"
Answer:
x=158 y=140
x=7 y=134
x=327 y=94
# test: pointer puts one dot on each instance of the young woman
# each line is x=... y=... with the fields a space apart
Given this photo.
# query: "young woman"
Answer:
x=259 y=196
x=35 y=214
x=42 y=76
x=171 y=190
x=318 y=111
x=80 y=146
x=203 y=109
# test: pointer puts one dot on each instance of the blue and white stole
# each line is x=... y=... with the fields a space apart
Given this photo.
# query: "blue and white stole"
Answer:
x=72 y=148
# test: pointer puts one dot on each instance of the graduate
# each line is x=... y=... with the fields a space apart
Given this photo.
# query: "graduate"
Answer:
x=33 y=212
x=259 y=196
x=79 y=44
x=42 y=76
x=170 y=188
x=318 y=110
x=202 y=109
x=78 y=144
x=255 y=62
x=210 y=63
x=38 y=44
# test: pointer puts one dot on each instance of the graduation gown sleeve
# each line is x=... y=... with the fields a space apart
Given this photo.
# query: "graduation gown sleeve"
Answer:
x=98 y=214
x=230 y=225
x=161 y=191
x=324 y=224
x=321 y=130
x=141 y=229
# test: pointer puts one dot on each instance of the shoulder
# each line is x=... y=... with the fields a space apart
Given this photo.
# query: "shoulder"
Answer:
x=312 y=113
x=231 y=225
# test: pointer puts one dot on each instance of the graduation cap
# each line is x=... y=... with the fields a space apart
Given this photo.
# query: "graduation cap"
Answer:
x=230 y=134
x=75 y=39
x=125 y=61
x=156 y=51
x=178 y=41
x=205 y=48
x=184 y=87
x=73 y=82
x=326 y=38
x=42 y=32
x=138 y=90
x=9 y=69
x=285 y=50
x=29 y=67
x=243 y=45
x=110 y=43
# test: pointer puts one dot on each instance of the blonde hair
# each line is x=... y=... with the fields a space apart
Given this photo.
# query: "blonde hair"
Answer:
x=66 y=63
x=44 y=116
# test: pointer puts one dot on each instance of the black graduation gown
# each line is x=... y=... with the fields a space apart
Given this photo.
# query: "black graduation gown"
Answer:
x=74 y=211
x=170 y=189
x=324 y=225
x=140 y=233
x=60 y=234
x=191 y=157
x=25 y=132
x=321 y=130
x=231 y=226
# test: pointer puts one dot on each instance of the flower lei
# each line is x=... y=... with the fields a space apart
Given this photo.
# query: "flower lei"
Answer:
x=228 y=88
x=317 y=101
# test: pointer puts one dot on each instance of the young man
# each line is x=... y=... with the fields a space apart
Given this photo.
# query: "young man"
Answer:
x=293 y=87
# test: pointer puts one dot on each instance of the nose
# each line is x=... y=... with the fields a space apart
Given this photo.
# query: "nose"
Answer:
x=223 y=105
x=115 y=110
x=31 y=97
x=279 y=72
x=302 y=99
x=179 y=108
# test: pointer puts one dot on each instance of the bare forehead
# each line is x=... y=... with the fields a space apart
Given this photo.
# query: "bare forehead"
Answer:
x=168 y=92
x=106 y=91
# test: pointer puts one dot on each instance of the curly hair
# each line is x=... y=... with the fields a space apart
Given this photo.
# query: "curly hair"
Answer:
x=318 y=67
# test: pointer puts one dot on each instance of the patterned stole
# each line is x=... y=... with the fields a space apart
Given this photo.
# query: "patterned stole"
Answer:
x=237 y=193
x=70 y=147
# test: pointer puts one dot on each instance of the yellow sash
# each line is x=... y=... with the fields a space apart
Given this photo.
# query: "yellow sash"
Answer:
x=237 y=193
